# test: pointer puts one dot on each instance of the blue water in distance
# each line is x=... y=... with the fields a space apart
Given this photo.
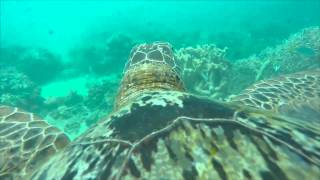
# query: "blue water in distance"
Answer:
x=245 y=27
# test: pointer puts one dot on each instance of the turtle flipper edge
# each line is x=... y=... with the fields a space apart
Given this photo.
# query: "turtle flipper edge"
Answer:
x=26 y=142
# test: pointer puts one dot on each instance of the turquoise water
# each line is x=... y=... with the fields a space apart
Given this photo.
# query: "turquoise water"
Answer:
x=63 y=25
x=69 y=55
x=180 y=89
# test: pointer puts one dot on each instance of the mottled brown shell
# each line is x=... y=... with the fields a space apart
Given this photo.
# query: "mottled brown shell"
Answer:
x=168 y=134
x=150 y=67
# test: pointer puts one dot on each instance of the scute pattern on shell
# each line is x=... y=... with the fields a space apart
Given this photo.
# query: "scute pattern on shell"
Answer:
x=26 y=142
x=225 y=143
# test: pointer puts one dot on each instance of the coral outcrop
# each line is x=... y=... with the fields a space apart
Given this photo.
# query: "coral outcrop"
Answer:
x=204 y=70
x=16 y=89
x=301 y=51
x=75 y=113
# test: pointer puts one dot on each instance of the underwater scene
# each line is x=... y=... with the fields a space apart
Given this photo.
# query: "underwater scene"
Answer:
x=160 y=89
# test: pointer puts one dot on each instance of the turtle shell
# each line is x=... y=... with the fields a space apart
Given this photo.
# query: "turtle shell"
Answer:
x=157 y=131
x=175 y=135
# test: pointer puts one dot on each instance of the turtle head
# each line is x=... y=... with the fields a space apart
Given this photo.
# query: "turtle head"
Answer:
x=150 y=67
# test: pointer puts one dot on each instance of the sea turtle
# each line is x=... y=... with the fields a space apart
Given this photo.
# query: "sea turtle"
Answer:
x=159 y=131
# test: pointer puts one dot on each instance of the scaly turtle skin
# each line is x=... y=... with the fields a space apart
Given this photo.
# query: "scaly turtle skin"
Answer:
x=26 y=141
x=296 y=95
x=157 y=131
x=150 y=67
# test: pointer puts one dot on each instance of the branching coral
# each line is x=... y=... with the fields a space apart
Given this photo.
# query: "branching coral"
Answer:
x=244 y=73
x=101 y=93
x=204 y=70
x=16 y=89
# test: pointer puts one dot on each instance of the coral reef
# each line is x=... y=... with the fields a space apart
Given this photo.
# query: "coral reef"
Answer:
x=101 y=93
x=16 y=89
x=75 y=113
x=40 y=65
x=204 y=70
x=244 y=73
x=301 y=51
x=70 y=118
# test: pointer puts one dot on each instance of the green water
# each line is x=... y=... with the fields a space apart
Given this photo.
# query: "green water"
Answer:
x=172 y=89
x=70 y=54
x=63 y=25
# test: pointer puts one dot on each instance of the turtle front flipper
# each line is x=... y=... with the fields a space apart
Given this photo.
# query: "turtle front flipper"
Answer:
x=26 y=142
x=295 y=95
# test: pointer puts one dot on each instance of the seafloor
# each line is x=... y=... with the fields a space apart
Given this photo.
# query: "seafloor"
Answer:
x=84 y=89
